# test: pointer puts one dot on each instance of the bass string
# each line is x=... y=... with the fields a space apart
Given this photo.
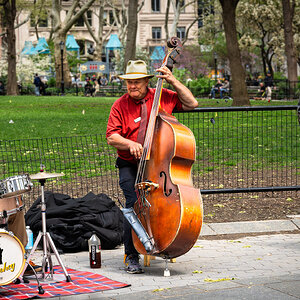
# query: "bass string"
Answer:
x=149 y=133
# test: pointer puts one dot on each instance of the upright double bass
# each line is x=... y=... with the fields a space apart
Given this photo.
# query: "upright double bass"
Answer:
x=169 y=208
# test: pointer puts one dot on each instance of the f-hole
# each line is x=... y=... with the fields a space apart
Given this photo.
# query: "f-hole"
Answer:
x=162 y=173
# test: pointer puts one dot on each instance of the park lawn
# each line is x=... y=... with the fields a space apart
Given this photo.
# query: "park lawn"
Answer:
x=25 y=117
x=30 y=117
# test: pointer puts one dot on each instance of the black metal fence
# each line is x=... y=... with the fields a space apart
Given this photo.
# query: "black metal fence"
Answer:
x=239 y=150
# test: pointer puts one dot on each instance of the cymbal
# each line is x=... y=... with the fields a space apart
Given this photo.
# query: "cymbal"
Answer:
x=45 y=175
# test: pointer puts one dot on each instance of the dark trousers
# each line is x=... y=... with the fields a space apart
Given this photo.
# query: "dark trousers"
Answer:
x=127 y=175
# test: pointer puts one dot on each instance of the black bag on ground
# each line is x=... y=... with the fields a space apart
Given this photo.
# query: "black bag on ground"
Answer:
x=71 y=222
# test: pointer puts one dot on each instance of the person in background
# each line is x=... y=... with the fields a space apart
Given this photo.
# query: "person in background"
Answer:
x=268 y=82
x=37 y=82
x=89 y=87
x=215 y=89
x=103 y=81
x=2 y=90
x=224 y=88
x=122 y=133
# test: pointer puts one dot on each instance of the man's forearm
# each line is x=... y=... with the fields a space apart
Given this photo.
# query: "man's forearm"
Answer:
x=185 y=96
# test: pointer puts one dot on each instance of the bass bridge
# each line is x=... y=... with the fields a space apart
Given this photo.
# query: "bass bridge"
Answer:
x=146 y=186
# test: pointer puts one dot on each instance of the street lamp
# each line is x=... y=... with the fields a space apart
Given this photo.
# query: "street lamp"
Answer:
x=216 y=68
x=62 y=44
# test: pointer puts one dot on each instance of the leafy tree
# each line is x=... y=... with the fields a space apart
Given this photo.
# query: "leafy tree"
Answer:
x=191 y=60
x=260 y=27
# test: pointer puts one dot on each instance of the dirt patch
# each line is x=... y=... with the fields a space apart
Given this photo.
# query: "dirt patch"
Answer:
x=217 y=208
x=250 y=207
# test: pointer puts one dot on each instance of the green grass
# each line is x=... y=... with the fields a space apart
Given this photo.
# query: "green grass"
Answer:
x=43 y=117
x=223 y=144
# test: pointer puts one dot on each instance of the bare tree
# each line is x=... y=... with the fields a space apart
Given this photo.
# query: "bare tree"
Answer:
x=239 y=89
x=100 y=38
x=120 y=15
x=178 y=7
x=59 y=31
x=288 y=9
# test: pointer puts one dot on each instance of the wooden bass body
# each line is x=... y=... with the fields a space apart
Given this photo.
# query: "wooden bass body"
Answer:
x=173 y=218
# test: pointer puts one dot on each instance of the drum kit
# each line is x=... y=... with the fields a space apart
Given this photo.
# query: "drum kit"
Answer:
x=13 y=259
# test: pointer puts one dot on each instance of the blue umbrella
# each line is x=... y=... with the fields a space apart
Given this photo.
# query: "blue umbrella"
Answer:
x=28 y=49
x=42 y=46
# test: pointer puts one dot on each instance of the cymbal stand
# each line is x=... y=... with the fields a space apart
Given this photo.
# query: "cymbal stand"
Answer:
x=48 y=244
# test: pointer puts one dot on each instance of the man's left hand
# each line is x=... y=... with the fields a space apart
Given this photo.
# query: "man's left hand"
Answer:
x=165 y=74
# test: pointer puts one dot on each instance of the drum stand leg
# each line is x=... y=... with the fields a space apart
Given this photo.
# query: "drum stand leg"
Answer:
x=48 y=244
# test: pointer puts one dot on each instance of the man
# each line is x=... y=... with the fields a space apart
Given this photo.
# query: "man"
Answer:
x=215 y=89
x=37 y=82
x=268 y=81
x=122 y=133
x=2 y=90
x=224 y=88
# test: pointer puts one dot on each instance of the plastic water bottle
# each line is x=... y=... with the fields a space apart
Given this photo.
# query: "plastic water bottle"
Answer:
x=95 y=251
x=30 y=238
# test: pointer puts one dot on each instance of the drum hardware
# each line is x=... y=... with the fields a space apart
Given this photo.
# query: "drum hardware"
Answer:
x=15 y=185
x=10 y=206
x=48 y=243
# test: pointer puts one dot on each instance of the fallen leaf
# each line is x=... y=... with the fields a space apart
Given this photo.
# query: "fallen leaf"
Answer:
x=197 y=271
x=161 y=289
x=247 y=246
x=218 y=205
x=217 y=280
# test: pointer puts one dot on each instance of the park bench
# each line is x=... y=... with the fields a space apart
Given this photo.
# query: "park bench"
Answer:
x=111 y=90
x=253 y=91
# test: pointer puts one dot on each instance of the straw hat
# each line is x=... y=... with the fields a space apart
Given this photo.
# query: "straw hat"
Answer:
x=136 y=69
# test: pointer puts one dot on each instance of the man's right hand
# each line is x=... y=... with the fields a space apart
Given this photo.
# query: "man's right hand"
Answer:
x=136 y=150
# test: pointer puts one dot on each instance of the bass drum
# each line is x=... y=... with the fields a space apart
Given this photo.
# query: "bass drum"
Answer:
x=12 y=257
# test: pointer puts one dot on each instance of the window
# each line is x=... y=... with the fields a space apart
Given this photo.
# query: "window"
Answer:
x=181 y=32
x=156 y=33
x=155 y=5
x=80 y=21
x=181 y=3
x=41 y=22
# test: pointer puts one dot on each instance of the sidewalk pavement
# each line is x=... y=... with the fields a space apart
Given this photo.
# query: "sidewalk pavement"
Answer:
x=253 y=260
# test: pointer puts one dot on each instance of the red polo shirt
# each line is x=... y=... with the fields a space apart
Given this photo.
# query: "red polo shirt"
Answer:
x=124 y=118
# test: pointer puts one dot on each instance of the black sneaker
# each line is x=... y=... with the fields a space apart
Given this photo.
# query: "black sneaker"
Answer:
x=132 y=264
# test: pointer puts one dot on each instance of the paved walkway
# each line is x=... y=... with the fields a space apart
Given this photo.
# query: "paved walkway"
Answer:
x=264 y=265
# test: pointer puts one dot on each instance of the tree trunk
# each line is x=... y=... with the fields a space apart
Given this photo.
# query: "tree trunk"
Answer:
x=289 y=43
x=239 y=89
x=99 y=42
x=10 y=15
x=131 y=32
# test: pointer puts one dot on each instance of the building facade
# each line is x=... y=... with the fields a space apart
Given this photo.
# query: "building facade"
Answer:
x=150 y=32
